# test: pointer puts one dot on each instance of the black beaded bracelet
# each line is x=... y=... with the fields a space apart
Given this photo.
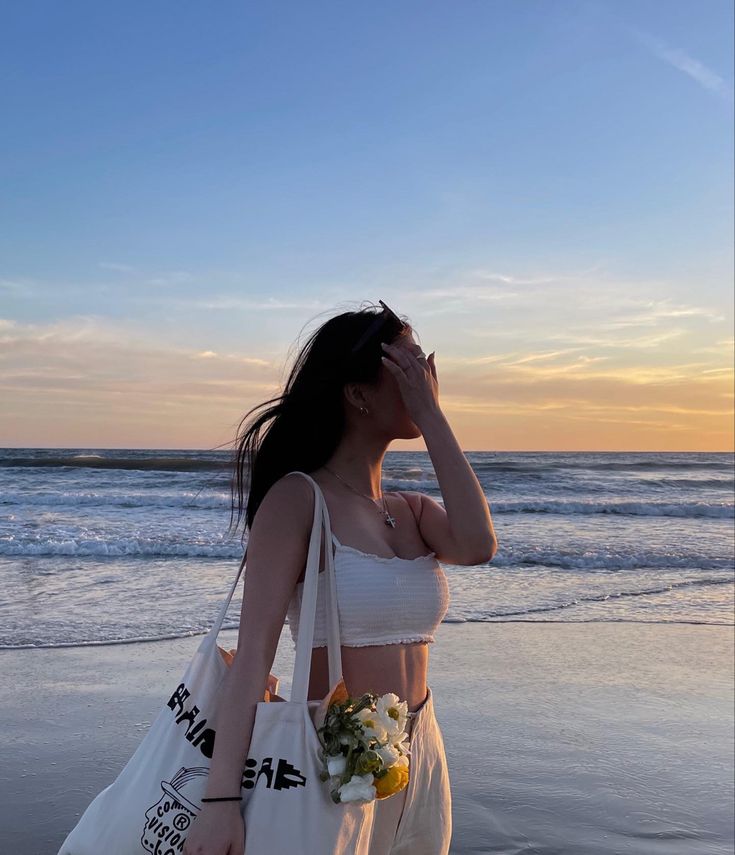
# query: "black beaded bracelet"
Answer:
x=224 y=799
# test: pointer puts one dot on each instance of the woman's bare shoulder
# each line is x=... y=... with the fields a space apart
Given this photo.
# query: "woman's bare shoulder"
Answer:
x=291 y=492
x=411 y=497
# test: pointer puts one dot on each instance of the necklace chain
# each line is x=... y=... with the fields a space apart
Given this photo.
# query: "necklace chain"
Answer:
x=389 y=519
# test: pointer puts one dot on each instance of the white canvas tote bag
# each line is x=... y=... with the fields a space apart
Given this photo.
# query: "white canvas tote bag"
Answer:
x=287 y=809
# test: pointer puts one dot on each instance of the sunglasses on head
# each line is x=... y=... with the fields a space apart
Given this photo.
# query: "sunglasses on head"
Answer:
x=377 y=324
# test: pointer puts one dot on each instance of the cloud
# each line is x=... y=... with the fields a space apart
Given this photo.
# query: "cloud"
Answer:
x=235 y=303
x=16 y=288
x=172 y=277
x=175 y=277
x=532 y=350
x=706 y=77
x=112 y=265
x=509 y=279
x=95 y=359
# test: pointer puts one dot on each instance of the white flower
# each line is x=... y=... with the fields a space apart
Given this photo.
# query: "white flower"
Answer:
x=392 y=713
x=336 y=765
x=358 y=789
x=394 y=752
x=372 y=724
x=401 y=744
x=388 y=754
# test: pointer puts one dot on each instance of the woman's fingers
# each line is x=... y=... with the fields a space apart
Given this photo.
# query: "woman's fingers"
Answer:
x=397 y=354
x=391 y=365
x=407 y=360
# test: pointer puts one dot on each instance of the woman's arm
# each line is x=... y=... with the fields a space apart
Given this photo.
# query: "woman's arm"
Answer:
x=462 y=532
x=277 y=549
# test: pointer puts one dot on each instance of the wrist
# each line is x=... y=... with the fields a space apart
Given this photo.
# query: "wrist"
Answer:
x=430 y=418
x=223 y=807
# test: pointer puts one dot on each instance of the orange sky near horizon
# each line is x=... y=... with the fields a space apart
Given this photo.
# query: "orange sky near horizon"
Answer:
x=91 y=385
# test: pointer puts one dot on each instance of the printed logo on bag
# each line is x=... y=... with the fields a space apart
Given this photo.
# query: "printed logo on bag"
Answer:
x=286 y=775
x=168 y=820
x=283 y=777
x=200 y=736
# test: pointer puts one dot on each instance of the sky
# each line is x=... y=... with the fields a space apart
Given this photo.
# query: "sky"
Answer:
x=544 y=188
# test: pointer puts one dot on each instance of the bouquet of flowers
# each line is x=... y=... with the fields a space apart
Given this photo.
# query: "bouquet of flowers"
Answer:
x=365 y=747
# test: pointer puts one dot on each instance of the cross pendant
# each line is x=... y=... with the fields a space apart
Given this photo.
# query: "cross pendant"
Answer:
x=389 y=520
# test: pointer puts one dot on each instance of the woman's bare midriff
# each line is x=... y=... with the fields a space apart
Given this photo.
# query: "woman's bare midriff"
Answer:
x=399 y=668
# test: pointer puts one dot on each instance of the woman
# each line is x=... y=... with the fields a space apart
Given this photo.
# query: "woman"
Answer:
x=360 y=381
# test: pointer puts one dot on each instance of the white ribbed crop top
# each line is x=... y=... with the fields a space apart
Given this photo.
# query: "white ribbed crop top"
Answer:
x=380 y=600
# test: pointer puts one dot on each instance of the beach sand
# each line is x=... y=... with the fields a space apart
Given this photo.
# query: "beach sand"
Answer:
x=561 y=738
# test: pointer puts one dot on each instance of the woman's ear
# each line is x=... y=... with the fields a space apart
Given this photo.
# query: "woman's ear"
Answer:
x=354 y=395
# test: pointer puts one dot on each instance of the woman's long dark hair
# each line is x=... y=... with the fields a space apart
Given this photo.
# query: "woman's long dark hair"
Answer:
x=302 y=426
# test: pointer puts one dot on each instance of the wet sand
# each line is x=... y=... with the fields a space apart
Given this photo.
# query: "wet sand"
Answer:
x=561 y=738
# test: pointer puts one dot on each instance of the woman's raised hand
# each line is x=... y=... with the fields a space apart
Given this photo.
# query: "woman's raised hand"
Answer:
x=416 y=377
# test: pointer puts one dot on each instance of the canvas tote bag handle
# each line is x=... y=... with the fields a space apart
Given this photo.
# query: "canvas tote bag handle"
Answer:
x=307 y=614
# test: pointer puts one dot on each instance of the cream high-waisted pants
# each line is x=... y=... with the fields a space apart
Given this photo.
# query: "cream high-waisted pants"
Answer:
x=418 y=819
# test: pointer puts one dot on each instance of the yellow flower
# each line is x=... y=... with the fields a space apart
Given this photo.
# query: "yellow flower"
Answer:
x=394 y=780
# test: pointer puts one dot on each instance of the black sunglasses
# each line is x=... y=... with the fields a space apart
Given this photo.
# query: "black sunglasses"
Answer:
x=380 y=319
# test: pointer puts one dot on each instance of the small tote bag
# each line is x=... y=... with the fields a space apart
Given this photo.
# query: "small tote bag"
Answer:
x=287 y=809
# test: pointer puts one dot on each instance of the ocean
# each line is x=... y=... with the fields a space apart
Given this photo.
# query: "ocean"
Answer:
x=102 y=546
